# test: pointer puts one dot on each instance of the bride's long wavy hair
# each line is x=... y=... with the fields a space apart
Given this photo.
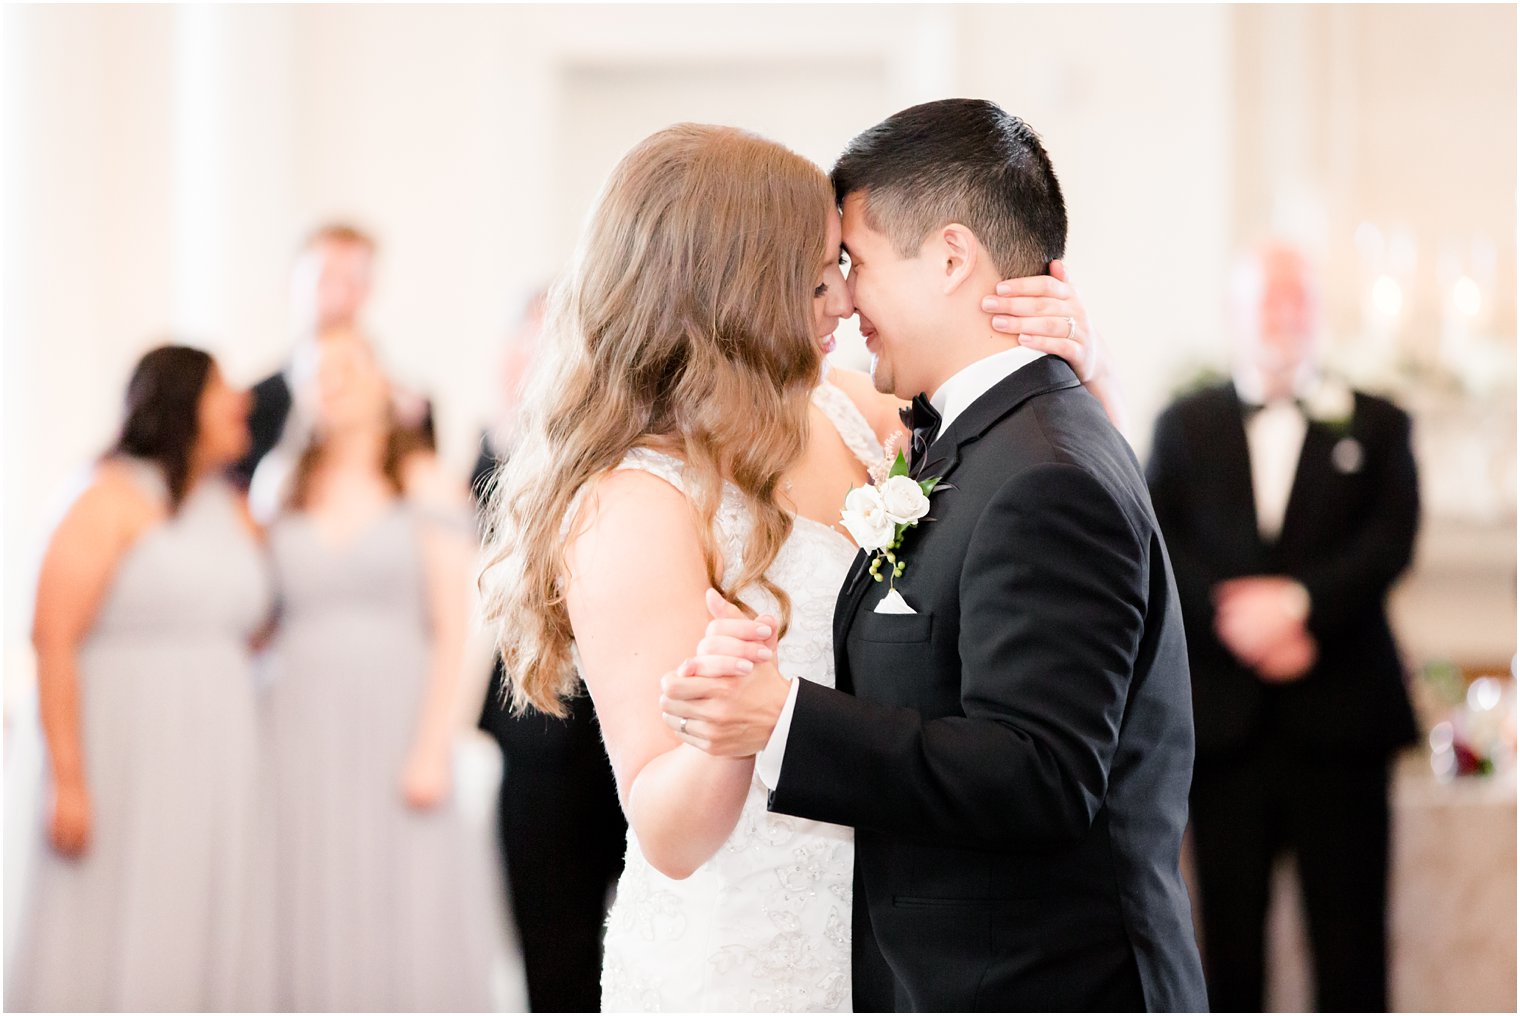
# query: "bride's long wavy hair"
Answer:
x=685 y=323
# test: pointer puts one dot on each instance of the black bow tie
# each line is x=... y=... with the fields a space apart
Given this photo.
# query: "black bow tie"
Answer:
x=923 y=419
x=1250 y=409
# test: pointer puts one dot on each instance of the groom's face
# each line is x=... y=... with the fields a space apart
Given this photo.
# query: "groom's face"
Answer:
x=894 y=298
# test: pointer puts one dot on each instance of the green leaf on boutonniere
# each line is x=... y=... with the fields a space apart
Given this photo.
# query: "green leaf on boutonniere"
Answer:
x=900 y=466
x=927 y=486
x=1339 y=428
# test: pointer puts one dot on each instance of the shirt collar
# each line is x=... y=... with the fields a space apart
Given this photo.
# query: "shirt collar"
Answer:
x=974 y=380
x=1249 y=388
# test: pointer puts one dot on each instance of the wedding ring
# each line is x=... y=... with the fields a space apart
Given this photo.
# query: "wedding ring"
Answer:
x=683 y=725
x=1071 y=327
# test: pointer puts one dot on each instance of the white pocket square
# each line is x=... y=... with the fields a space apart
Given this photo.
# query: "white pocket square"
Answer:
x=893 y=603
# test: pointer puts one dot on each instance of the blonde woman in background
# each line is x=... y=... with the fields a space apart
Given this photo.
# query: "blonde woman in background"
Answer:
x=145 y=894
x=388 y=898
x=685 y=432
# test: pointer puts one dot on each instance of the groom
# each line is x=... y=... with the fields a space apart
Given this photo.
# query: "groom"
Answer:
x=1014 y=746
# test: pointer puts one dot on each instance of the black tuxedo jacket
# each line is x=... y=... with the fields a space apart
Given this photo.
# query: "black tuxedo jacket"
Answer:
x=266 y=422
x=1016 y=756
x=1348 y=532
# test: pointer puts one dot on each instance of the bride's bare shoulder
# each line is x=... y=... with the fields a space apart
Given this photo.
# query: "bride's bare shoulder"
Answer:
x=629 y=525
x=879 y=409
x=622 y=503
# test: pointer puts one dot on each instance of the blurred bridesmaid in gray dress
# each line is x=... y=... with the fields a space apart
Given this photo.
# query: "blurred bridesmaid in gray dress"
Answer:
x=140 y=891
x=388 y=899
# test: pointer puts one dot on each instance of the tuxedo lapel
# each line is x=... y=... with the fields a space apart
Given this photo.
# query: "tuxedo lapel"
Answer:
x=1046 y=374
x=1310 y=481
x=844 y=610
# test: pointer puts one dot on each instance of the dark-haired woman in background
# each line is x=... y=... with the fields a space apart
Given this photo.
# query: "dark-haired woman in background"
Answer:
x=152 y=589
x=388 y=898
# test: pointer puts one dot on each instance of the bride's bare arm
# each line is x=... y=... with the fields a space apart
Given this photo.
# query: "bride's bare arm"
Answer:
x=635 y=598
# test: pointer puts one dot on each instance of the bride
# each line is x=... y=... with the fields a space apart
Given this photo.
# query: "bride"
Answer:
x=683 y=433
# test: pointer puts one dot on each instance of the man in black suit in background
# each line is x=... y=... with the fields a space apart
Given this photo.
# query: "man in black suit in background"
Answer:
x=562 y=830
x=1011 y=732
x=329 y=286
x=1290 y=505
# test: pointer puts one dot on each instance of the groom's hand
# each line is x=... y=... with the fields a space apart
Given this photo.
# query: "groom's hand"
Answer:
x=725 y=700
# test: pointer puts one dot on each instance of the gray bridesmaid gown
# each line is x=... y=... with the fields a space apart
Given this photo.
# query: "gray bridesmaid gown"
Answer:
x=166 y=909
x=380 y=907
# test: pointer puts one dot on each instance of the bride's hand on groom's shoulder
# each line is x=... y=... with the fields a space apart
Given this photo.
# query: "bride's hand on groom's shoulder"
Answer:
x=725 y=699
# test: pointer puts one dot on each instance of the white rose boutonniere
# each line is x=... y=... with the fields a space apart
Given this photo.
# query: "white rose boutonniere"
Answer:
x=877 y=515
x=865 y=516
x=904 y=499
x=1332 y=404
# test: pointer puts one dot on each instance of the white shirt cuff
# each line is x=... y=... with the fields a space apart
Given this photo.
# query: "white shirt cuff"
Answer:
x=768 y=762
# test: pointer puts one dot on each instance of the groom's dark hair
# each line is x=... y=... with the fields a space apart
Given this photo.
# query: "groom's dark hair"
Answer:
x=959 y=160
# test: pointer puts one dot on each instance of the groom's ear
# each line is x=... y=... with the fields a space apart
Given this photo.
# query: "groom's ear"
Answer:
x=958 y=255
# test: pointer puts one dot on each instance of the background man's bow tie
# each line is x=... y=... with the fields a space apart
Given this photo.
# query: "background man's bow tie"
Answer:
x=1250 y=409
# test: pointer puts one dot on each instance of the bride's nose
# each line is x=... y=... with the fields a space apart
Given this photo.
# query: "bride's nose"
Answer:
x=839 y=303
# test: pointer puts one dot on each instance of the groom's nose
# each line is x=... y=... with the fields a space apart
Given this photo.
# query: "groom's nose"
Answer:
x=849 y=295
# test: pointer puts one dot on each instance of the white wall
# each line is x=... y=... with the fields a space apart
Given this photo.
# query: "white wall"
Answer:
x=161 y=164
x=1401 y=116
x=1134 y=104
x=164 y=162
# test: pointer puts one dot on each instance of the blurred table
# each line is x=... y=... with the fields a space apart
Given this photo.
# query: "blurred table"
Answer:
x=1451 y=900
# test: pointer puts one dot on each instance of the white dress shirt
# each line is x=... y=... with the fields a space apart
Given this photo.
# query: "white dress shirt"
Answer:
x=1274 y=442
x=973 y=381
x=953 y=397
x=1275 y=439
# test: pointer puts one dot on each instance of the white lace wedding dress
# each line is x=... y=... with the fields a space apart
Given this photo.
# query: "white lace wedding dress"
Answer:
x=764 y=925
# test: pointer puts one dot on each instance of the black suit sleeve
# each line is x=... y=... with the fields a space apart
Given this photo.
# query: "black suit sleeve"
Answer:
x=1358 y=575
x=1053 y=599
x=266 y=423
x=1171 y=474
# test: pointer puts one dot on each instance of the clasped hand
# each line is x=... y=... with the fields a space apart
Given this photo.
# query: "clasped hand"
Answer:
x=726 y=697
x=1255 y=619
